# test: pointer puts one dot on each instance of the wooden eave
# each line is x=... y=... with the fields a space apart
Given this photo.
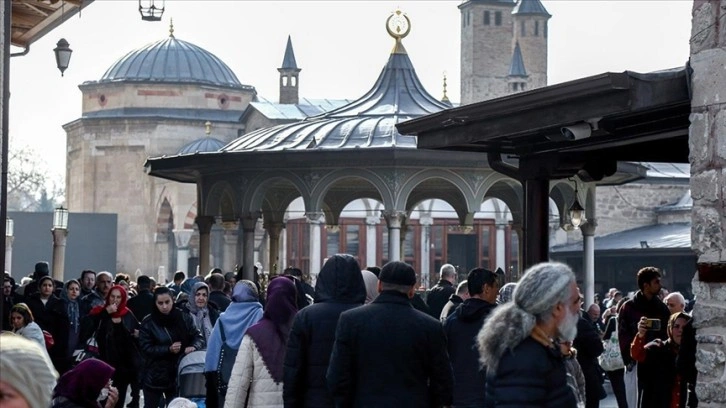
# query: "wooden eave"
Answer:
x=32 y=19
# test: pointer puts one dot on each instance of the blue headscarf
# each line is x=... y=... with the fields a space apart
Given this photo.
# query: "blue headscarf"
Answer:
x=244 y=311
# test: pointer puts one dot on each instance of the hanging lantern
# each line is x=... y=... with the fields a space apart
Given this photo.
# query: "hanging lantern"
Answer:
x=62 y=54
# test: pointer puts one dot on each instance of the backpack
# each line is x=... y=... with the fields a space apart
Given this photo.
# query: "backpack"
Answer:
x=227 y=356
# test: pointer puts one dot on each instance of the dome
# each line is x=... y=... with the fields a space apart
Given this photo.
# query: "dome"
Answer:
x=172 y=60
x=368 y=122
x=205 y=144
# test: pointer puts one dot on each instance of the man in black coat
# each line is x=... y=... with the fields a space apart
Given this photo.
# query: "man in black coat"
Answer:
x=142 y=304
x=216 y=294
x=387 y=354
x=442 y=291
x=339 y=287
x=589 y=347
x=461 y=329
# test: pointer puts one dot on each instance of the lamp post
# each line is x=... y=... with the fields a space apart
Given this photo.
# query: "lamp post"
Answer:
x=62 y=54
x=60 y=233
x=9 y=227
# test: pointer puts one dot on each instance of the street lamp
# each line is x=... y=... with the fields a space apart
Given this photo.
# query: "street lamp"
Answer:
x=151 y=12
x=60 y=233
x=62 y=54
x=577 y=213
x=9 y=229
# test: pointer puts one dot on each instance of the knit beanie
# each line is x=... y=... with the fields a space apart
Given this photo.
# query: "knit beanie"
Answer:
x=25 y=367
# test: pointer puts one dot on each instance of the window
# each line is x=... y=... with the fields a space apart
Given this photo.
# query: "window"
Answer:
x=486 y=246
x=536 y=28
x=468 y=18
x=544 y=31
x=523 y=29
x=486 y=18
x=498 y=18
x=352 y=239
x=298 y=248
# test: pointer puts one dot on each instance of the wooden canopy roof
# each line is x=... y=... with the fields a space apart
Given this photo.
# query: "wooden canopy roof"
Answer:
x=32 y=19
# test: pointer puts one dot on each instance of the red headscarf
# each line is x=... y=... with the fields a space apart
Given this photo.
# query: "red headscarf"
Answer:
x=121 y=310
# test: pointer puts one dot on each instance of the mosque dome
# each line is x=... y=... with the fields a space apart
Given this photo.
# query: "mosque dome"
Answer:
x=368 y=122
x=203 y=145
x=172 y=60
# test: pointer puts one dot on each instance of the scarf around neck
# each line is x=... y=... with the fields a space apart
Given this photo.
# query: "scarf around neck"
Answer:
x=121 y=310
x=200 y=314
x=272 y=332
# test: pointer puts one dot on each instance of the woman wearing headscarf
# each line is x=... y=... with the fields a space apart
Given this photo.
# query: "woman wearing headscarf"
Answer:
x=21 y=318
x=86 y=386
x=28 y=376
x=244 y=311
x=114 y=326
x=371 y=281
x=203 y=313
x=49 y=312
x=674 y=361
x=166 y=335
x=258 y=368
x=70 y=297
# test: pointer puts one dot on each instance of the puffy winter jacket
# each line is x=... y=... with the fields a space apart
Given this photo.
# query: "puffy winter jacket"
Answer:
x=160 y=369
x=250 y=375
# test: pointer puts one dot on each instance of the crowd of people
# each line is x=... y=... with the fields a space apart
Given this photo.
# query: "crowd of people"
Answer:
x=359 y=338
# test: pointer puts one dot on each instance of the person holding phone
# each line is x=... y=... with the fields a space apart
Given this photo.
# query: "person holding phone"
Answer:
x=675 y=384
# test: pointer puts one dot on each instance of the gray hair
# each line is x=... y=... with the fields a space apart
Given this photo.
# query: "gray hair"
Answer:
x=447 y=271
x=462 y=288
x=540 y=290
x=676 y=295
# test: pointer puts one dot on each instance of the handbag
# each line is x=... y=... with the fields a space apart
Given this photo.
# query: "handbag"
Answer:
x=89 y=349
x=227 y=356
x=611 y=359
x=49 y=340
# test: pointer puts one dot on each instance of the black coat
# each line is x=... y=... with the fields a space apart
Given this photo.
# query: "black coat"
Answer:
x=657 y=389
x=589 y=347
x=387 y=354
x=52 y=317
x=438 y=296
x=219 y=299
x=142 y=304
x=461 y=329
x=528 y=376
x=160 y=363
x=116 y=344
x=339 y=288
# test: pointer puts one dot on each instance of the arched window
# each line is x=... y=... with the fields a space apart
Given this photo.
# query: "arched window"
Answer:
x=486 y=17
x=498 y=18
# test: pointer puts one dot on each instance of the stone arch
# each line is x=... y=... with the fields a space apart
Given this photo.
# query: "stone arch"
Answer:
x=461 y=197
x=562 y=193
x=220 y=201
x=509 y=191
x=318 y=196
x=164 y=218
x=269 y=181
x=191 y=216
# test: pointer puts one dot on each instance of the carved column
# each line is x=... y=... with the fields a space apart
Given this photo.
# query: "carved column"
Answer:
x=501 y=245
x=273 y=231
x=394 y=220
x=182 y=238
x=519 y=230
x=426 y=222
x=59 y=252
x=316 y=220
x=249 y=223
x=588 y=260
x=204 y=224
x=371 y=240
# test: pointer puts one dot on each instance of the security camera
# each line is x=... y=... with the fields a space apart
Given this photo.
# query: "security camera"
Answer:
x=576 y=132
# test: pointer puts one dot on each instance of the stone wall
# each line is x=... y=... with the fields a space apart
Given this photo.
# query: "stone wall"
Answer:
x=708 y=181
x=534 y=47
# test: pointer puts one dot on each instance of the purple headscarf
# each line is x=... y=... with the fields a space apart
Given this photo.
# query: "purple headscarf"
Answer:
x=271 y=333
x=84 y=382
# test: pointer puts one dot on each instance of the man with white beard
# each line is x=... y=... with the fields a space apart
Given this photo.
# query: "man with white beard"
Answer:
x=519 y=343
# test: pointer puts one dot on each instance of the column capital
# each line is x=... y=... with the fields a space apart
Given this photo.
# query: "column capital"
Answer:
x=182 y=237
x=204 y=223
x=372 y=220
x=59 y=236
x=315 y=217
x=426 y=220
x=394 y=218
x=274 y=228
x=588 y=229
x=249 y=220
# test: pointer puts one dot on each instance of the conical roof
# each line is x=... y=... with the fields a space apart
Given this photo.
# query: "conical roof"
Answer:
x=368 y=122
x=531 y=7
x=288 y=61
x=516 y=69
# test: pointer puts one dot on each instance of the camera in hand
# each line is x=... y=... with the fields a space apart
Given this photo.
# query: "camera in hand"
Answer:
x=652 y=324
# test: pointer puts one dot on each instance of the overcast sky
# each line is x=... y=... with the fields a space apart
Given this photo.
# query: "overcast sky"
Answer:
x=341 y=47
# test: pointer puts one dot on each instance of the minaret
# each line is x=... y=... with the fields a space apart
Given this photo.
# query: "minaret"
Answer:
x=530 y=32
x=517 y=78
x=486 y=48
x=289 y=92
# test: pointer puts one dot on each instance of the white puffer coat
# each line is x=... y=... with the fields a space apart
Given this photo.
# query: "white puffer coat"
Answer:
x=250 y=373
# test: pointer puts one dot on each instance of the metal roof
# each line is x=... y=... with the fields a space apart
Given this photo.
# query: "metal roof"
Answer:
x=205 y=144
x=305 y=108
x=516 y=69
x=288 y=61
x=216 y=115
x=367 y=122
x=532 y=7
x=659 y=236
x=172 y=60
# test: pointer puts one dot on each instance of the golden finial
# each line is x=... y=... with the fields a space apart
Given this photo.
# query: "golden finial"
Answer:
x=171 y=27
x=445 y=98
x=208 y=128
x=398 y=26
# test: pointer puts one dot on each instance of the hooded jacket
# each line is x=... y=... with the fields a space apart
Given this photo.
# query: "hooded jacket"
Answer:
x=461 y=329
x=339 y=287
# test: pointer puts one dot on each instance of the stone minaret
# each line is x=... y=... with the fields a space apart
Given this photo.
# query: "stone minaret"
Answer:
x=486 y=48
x=530 y=33
x=517 y=78
x=289 y=91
